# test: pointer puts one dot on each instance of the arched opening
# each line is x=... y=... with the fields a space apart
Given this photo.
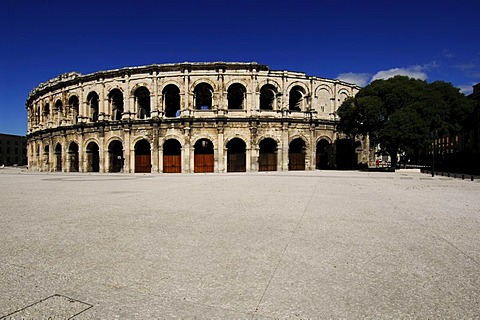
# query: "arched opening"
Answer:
x=171 y=99
x=323 y=153
x=236 y=96
x=58 y=157
x=115 y=100
x=142 y=102
x=46 y=155
x=93 y=157
x=92 y=102
x=46 y=110
x=59 y=106
x=73 y=156
x=296 y=155
x=267 y=97
x=74 y=105
x=115 y=153
x=203 y=158
x=203 y=96
x=295 y=101
x=267 y=158
x=172 y=156
x=236 y=155
x=143 y=162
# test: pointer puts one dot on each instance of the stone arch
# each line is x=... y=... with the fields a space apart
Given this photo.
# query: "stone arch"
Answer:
x=93 y=104
x=343 y=94
x=296 y=154
x=239 y=136
x=172 y=156
x=203 y=96
x=236 y=155
x=115 y=155
x=180 y=139
x=268 y=93
x=92 y=152
x=213 y=84
x=143 y=156
x=74 y=105
x=297 y=98
x=324 y=98
x=271 y=82
x=323 y=153
x=138 y=85
x=236 y=96
x=203 y=155
x=116 y=103
x=171 y=98
x=142 y=102
x=58 y=157
x=268 y=154
x=73 y=156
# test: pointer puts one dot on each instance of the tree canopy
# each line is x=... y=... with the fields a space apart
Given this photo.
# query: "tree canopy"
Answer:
x=403 y=113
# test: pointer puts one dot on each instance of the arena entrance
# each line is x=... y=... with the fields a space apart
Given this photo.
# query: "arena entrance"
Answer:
x=172 y=156
x=296 y=155
x=203 y=158
x=58 y=157
x=322 y=154
x=143 y=163
x=73 y=156
x=236 y=155
x=267 y=159
x=115 y=152
x=93 y=157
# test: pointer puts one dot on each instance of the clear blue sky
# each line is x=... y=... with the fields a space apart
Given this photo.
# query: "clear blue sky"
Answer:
x=353 y=40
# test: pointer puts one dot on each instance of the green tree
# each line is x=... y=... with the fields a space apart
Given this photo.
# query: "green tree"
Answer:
x=401 y=113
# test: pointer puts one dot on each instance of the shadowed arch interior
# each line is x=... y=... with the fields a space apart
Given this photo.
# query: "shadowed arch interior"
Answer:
x=92 y=101
x=58 y=157
x=236 y=155
x=295 y=101
x=236 y=96
x=203 y=156
x=323 y=154
x=115 y=153
x=172 y=156
x=203 y=96
x=115 y=99
x=143 y=157
x=73 y=108
x=73 y=156
x=296 y=155
x=267 y=97
x=93 y=157
x=142 y=102
x=171 y=99
x=267 y=158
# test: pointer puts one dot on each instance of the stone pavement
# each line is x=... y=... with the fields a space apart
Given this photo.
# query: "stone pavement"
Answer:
x=297 y=245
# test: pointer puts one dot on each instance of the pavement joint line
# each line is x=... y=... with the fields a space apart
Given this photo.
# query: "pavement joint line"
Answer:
x=286 y=247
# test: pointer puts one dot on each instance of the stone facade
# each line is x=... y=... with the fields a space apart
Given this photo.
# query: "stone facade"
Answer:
x=187 y=117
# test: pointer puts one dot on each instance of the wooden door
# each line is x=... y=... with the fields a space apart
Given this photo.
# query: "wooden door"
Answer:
x=267 y=162
x=203 y=163
x=236 y=162
x=296 y=161
x=172 y=164
x=142 y=163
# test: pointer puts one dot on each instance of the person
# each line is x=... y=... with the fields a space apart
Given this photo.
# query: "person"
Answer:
x=377 y=162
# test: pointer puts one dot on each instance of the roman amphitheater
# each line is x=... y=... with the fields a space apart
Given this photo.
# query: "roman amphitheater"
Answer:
x=189 y=117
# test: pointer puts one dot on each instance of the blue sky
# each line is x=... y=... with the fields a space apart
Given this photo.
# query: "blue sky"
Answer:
x=352 y=40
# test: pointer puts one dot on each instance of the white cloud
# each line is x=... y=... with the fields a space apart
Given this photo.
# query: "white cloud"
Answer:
x=416 y=72
x=360 y=79
x=466 y=88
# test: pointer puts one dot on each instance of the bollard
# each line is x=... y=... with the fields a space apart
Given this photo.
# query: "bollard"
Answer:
x=463 y=177
x=471 y=178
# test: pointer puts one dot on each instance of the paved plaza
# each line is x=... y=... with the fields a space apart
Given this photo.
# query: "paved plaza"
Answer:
x=276 y=245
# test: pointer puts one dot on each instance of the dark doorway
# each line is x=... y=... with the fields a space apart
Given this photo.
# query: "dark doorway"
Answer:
x=142 y=157
x=236 y=155
x=115 y=152
x=322 y=154
x=73 y=155
x=58 y=157
x=236 y=96
x=93 y=157
x=203 y=158
x=296 y=155
x=267 y=159
x=142 y=100
x=172 y=156
x=115 y=98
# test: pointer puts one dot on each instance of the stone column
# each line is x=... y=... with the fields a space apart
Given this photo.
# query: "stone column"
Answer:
x=81 y=154
x=221 y=150
x=126 y=151
x=103 y=155
x=156 y=151
x=285 y=147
